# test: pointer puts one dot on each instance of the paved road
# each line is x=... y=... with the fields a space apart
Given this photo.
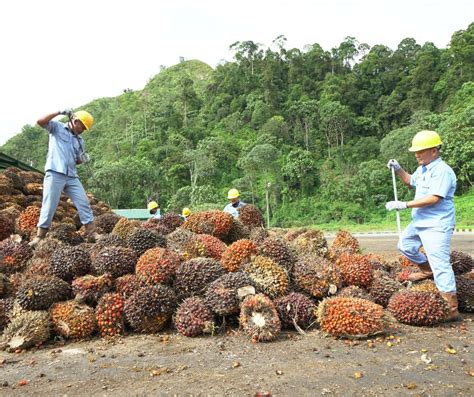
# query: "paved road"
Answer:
x=386 y=243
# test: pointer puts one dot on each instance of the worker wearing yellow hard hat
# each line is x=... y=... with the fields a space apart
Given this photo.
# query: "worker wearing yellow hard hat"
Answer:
x=85 y=118
x=433 y=216
x=185 y=213
x=154 y=210
x=65 y=151
x=233 y=196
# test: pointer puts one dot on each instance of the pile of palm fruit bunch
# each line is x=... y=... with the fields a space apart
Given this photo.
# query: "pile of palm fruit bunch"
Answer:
x=197 y=277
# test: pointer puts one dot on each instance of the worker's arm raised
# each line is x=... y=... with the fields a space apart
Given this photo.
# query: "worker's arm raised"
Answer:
x=43 y=121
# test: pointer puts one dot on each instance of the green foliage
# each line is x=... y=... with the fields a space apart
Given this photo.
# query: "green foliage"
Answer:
x=310 y=129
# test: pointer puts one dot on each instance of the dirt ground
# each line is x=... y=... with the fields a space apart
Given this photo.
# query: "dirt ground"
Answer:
x=428 y=361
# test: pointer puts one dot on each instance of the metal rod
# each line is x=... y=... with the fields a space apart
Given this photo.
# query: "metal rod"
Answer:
x=394 y=182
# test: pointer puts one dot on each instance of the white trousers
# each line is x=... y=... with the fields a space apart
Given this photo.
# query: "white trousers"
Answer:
x=436 y=242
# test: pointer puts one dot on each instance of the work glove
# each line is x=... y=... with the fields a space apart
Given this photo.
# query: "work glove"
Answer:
x=396 y=205
x=392 y=163
x=84 y=157
x=66 y=112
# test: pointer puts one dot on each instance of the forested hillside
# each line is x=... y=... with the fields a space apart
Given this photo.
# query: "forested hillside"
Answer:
x=311 y=129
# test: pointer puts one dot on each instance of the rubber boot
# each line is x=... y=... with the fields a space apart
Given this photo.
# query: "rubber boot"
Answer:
x=40 y=235
x=452 y=299
x=424 y=273
x=91 y=233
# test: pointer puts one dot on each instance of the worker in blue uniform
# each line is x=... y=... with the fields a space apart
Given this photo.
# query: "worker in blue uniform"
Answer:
x=66 y=149
x=433 y=216
x=233 y=196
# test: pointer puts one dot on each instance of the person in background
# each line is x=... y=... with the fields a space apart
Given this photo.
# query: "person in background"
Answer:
x=185 y=213
x=66 y=149
x=233 y=196
x=154 y=210
x=433 y=216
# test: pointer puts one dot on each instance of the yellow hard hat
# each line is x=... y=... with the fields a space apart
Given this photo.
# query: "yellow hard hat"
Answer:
x=424 y=140
x=186 y=211
x=152 y=205
x=86 y=118
x=233 y=193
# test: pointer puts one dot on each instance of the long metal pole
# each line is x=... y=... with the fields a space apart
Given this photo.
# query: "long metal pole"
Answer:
x=394 y=182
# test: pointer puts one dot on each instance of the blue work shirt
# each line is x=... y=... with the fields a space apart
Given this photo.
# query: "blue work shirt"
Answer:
x=156 y=215
x=437 y=178
x=229 y=208
x=64 y=149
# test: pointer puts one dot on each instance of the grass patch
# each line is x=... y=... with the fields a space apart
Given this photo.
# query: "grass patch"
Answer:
x=464 y=219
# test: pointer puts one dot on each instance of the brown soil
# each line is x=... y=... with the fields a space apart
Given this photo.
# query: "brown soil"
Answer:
x=421 y=361
x=411 y=361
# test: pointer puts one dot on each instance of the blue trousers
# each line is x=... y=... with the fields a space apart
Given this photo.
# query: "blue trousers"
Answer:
x=53 y=185
x=437 y=244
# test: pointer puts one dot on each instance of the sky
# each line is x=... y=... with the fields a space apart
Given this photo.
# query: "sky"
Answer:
x=60 y=54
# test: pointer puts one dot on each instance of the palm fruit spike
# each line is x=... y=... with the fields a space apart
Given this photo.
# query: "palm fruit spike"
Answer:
x=110 y=314
x=418 y=308
x=149 y=309
x=461 y=262
x=157 y=265
x=91 y=288
x=69 y=262
x=15 y=255
x=142 y=240
x=277 y=250
x=316 y=276
x=355 y=269
x=251 y=216
x=295 y=310
x=27 y=328
x=72 y=319
x=383 y=287
x=193 y=317
x=343 y=242
x=40 y=292
x=117 y=261
x=351 y=317
x=311 y=241
x=222 y=294
x=259 y=318
x=238 y=254
x=192 y=277
x=267 y=276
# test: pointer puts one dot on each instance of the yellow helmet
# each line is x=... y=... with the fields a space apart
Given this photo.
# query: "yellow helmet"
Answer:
x=86 y=118
x=233 y=193
x=425 y=140
x=152 y=205
x=186 y=211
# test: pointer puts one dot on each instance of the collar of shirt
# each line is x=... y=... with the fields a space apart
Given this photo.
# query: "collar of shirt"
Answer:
x=432 y=164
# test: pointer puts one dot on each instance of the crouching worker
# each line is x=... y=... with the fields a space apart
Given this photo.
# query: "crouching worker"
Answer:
x=185 y=213
x=433 y=216
x=154 y=210
x=65 y=151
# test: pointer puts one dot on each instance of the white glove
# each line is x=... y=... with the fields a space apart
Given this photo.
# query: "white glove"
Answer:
x=66 y=112
x=396 y=205
x=84 y=157
x=392 y=163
